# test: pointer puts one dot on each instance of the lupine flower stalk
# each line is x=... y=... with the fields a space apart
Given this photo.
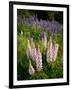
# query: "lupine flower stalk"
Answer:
x=39 y=60
x=31 y=69
x=28 y=51
x=52 y=51
x=34 y=54
x=51 y=26
x=44 y=40
x=55 y=51
x=33 y=50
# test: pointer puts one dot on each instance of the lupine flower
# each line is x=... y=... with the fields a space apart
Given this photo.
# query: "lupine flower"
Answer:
x=51 y=26
x=37 y=57
x=34 y=54
x=32 y=43
x=33 y=50
x=44 y=40
x=41 y=35
x=48 y=54
x=55 y=27
x=31 y=69
x=28 y=51
x=52 y=51
x=39 y=60
x=55 y=51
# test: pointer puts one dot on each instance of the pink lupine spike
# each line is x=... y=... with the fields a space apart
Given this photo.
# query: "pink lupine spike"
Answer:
x=55 y=51
x=28 y=49
x=48 y=53
x=39 y=63
x=34 y=54
x=32 y=43
x=31 y=69
x=50 y=50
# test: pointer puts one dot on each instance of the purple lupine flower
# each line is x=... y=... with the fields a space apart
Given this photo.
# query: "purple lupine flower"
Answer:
x=41 y=35
x=51 y=26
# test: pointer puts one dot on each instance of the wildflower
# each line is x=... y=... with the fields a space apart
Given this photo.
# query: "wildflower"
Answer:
x=32 y=43
x=43 y=37
x=33 y=54
x=55 y=51
x=33 y=49
x=28 y=52
x=45 y=40
x=50 y=50
x=48 y=54
x=51 y=26
x=39 y=60
x=31 y=69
